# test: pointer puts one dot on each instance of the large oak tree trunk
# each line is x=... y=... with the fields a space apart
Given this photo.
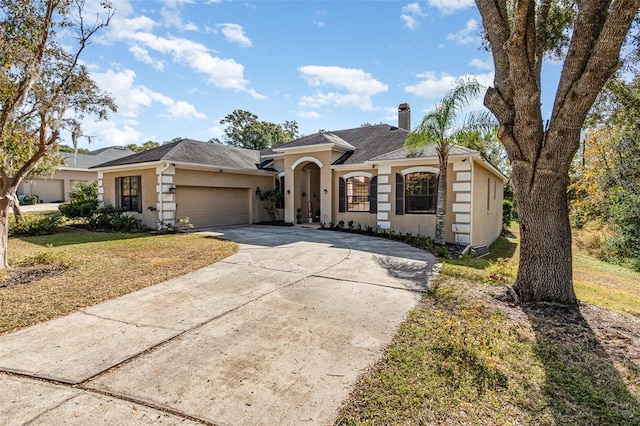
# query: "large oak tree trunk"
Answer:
x=545 y=269
x=541 y=151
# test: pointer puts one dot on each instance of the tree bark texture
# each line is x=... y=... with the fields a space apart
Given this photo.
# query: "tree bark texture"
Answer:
x=541 y=152
x=5 y=205
x=441 y=205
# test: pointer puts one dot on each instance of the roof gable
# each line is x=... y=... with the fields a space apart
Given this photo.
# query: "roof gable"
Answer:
x=93 y=158
x=194 y=152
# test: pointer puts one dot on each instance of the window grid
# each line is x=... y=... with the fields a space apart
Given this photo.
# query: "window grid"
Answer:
x=420 y=192
x=358 y=194
x=129 y=193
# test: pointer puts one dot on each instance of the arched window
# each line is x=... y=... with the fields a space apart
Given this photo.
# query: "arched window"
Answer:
x=420 y=193
x=358 y=193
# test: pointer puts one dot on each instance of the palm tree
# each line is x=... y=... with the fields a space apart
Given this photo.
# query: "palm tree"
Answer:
x=441 y=127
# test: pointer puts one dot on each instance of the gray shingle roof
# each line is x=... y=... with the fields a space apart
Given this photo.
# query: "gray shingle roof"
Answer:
x=366 y=142
x=195 y=152
x=93 y=158
x=378 y=143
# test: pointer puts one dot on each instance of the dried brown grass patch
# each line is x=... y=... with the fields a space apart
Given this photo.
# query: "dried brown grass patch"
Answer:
x=104 y=266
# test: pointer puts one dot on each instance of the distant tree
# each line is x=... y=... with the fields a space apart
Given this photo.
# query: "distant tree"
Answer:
x=244 y=130
x=144 y=147
x=488 y=145
x=67 y=148
x=44 y=89
x=441 y=127
x=606 y=181
x=586 y=37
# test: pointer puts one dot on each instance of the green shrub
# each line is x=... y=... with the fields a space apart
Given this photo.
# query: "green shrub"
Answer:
x=507 y=213
x=441 y=251
x=47 y=257
x=110 y=218
x=625 y=216
x=83 y=201
x=34 y=224
x=30 y=200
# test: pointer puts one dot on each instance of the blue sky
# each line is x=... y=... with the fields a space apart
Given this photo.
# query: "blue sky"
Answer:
x=177 y=67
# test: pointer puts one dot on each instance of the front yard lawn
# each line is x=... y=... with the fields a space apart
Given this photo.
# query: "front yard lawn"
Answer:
x=93 y=267
x=466 y=356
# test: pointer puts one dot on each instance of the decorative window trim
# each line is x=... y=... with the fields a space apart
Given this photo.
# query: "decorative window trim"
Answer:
x=356 y=174
x=360 y=194
x=304 y=160
x=426 y=169
x=434 y=195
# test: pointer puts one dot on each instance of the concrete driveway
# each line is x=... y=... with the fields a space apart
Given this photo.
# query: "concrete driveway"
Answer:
x=276 y=334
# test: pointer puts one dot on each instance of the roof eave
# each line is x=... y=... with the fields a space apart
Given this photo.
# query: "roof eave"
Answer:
x=220 y=169
x=401 y=161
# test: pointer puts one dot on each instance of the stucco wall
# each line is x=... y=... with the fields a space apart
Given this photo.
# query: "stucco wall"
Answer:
x=149 y=194
x=64 y=179
x=487 y=205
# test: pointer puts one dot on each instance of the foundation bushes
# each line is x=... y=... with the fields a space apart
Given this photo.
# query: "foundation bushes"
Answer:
x=113 y=219
x=421 y=241
x=34 y=224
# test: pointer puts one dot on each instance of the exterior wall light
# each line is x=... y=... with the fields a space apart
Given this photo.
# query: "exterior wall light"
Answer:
x=288 y=191
x=324 y=190
x=172 y=189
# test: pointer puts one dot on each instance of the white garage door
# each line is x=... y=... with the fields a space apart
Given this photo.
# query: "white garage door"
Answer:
x=48 y=190
x=212 y=206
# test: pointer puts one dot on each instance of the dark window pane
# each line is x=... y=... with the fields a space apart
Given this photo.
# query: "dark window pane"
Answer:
x=421 y=192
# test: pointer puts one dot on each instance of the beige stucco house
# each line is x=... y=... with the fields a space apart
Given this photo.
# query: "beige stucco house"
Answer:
x=362 y=175
x=75 y=168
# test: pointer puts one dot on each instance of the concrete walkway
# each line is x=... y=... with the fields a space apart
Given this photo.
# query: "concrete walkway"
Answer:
x=276 y=334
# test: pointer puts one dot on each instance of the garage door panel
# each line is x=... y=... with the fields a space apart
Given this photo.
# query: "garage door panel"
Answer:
x=48 y=190
x=213 y=206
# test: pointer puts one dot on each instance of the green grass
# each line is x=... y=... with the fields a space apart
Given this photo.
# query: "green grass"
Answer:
x=464 y=358
x=101 y=265
x=603 y=284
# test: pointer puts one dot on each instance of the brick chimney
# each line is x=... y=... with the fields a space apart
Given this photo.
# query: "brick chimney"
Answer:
x=404 y=117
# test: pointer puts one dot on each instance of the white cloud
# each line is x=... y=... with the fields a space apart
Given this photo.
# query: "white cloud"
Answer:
x=109 y=132
x=143 y=56
x=190 y=26
x=482 y=65
x=467 y=35
x=222 y=73
x=234 y=33
x=308 y=114
x=431 y=85
x=450 y=6
x=435 y=87
x=171 y=17
x=410 y=15
x=356 y=86
x=129 y=97
x=182 y=110
x=132 y=98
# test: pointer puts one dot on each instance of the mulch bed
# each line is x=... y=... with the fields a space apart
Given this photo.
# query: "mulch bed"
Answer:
x=23 y=275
